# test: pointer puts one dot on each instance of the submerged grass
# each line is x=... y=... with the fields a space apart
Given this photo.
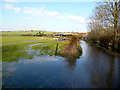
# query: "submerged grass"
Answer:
x=14 y=47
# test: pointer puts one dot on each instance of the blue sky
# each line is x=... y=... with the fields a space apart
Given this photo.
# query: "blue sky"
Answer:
x=49 y=16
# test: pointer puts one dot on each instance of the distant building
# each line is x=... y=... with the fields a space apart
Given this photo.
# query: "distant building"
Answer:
x=62 y=35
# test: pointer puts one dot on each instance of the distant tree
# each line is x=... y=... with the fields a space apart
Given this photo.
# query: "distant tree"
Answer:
x=40 y=33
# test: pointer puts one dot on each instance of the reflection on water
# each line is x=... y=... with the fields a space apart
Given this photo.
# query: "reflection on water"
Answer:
x=70 y=63
x=103 y=68
x=94 y=69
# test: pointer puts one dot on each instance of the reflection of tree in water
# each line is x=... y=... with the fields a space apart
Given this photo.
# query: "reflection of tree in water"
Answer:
x=113 y=75
x=72 y=51
x=106 y=77
x=109 y=79
x=70 y=63
x=103 y=68
x=93 y=66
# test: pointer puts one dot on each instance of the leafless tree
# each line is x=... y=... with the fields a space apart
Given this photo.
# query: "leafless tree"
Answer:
x=107 y=16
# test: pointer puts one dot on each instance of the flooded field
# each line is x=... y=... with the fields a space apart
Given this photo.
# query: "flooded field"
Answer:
x=70 y=44
x=31 y=69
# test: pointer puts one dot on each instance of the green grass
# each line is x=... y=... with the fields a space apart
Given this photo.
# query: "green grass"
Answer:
x=15 y=47
x=50 y=46
x=9 y=39
x=23 y=32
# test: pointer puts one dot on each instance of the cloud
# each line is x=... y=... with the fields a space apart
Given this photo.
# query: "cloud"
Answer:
x=11 y=7
x=54 y=0
x=56 y=15
x=40 y=12
x=53 y=20
x=9 y=0
x=77 y=19
x=27 y=18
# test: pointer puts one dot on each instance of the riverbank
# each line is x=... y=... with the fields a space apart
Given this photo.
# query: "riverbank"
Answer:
x=106 y=50
x=72 y=50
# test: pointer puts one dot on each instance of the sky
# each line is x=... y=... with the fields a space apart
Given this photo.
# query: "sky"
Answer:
x=47 y=16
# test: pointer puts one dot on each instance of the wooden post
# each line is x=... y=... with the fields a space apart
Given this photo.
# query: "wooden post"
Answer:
x=56 y=49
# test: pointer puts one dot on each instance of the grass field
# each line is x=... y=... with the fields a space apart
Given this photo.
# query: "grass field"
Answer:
x=23 y=32
x=16 y=47
x=9 y=39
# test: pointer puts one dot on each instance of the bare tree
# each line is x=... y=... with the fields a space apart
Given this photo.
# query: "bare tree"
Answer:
x=119 y=18
x=106 y=16
x=113 y=8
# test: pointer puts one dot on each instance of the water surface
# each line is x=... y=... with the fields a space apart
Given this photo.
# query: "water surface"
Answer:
x=94 y=68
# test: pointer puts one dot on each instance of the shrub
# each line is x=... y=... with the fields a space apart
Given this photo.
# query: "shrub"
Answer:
x=72 y=49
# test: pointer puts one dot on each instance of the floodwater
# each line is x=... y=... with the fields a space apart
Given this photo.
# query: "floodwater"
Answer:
x=94 y=69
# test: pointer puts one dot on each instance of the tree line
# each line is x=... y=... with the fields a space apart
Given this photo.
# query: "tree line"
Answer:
x=104 y=25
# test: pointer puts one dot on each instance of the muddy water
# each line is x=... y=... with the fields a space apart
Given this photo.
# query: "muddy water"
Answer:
x=94 y=68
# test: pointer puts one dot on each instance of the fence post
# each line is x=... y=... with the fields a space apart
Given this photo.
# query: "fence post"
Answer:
x=56 y=49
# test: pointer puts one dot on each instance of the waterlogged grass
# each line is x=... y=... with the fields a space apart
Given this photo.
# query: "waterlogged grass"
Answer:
x=13 y=52
x=49 y=47
x=16 y=48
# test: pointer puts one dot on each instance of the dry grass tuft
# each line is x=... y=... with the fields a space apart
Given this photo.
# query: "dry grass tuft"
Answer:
x=73 y=48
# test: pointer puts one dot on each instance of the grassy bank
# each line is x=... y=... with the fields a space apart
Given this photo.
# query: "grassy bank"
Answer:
x=72 y=50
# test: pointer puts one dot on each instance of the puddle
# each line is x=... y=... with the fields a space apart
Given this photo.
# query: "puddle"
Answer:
x=42 y=44
x=30 y=52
